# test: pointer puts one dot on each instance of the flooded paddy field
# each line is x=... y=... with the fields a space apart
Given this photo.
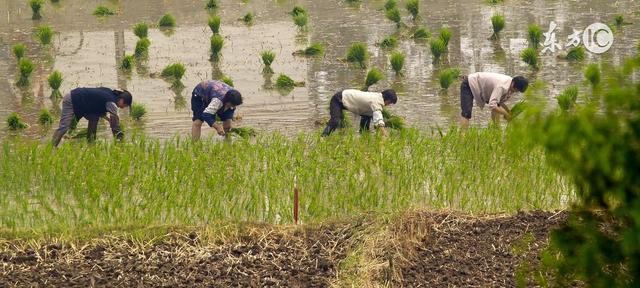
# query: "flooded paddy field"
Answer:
x=87 y=50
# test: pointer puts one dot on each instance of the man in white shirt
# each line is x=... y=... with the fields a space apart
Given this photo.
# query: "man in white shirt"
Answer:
x=368 y=105
x=489 y=88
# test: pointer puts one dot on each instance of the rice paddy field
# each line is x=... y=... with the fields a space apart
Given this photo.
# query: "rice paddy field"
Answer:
x=278 y=205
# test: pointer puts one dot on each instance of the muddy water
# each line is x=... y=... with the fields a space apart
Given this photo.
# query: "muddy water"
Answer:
x=87 y=49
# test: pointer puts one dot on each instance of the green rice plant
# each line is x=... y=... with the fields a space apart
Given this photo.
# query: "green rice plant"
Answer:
x=285 y=82
x=55 y=81
x=217 y=42
x=103 y=11
x=214 y=24
x=175 y=72
x=393 y=14
x=618 y=20
x=592 y=74
x=314 y=50
x=447 y=77
x=244 y=132
x=530 y=56
x=422 y=33
x=353 y=2
x=494 y=2
x=373 y=76
x=498 y=23
x=389 y=42
x=534 y=33
x=301 y=20
x=19 y=50
x=392 y=121
x=36 y=6
x=445 y=35
x=358 y=53
x=226 y=79
x=437 y=48
x=518 y=108
x=141 y=30
x=15 y=123
x=167 y=21
x=26 y=67
x=128 y=61
x=211 y=5
x=248 y=18
x=45 y=118
x=297 y=10
x=576 y=54
x=142 y=47
x=413 y=6
x=267 y=57
x=137 y=111
x=567 y=99
x=397 y=61
x=44 y=34
x=390 y=4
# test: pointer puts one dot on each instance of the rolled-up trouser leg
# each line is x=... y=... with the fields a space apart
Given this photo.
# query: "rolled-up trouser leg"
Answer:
x=93 y=126
x=66 y=117
x=335 y=110
x=466 y=99
x=365 y=122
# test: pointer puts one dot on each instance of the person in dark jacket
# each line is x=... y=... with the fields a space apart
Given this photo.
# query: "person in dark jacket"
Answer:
x=211 y=99
x=92 y=104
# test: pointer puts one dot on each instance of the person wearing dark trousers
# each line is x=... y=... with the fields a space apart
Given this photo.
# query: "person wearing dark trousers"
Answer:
x=368 y=105
x=213 y=98
x=489 y=88
x=92 y=104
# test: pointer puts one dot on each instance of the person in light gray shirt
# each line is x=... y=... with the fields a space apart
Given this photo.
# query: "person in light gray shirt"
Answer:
x=489 y=88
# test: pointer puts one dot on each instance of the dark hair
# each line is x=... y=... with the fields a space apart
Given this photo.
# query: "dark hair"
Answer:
x=520 y=83
x=126 y=95
x=390 y=96
x=233 y=96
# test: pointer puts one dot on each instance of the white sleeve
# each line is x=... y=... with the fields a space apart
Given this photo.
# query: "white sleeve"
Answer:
x=214 y=106
x=378 y=120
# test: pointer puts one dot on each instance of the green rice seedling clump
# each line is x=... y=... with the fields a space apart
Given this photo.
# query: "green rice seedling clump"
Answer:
x=137 y=111
x=576 y=54
x=226 y=79
x=397 y=61
x=389 y=42
x=390 y=4
x=15 y=123
x=44 y=34
x=19 y=50
x=217 y=42
x=211 y=5
x=413 y=6
x=448 y=76
x=248 y=18
x=358 y=53
x=26 y=67
x=530 y=56
x=534 y=35
x=301 y=20
x=568 y=98
x=518 y=108
x=445 y=35
x=393 y=14
x=244 y=132
x=267 y=57
x=373 y=76
x=55 y=81
x=285 y=82
x=214 y=24
x=36 y=6
x=167 y=21
x=103 y=11
x=619 y=20
x=128 y=61
x=314 y=49
x=437 y=48
x=45 y=118
x=498 y=24
x=175 y=71
x=142 y=47
x=493 y=2
x=392 y=121
x=297 y=10
x=592 y=74
x=422 y=33
x=141 y=30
